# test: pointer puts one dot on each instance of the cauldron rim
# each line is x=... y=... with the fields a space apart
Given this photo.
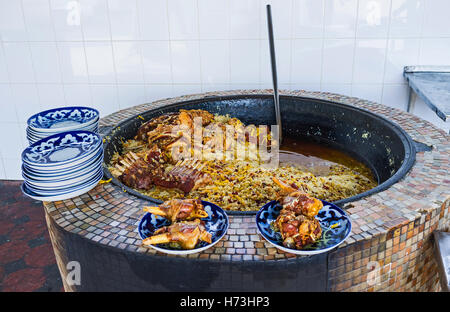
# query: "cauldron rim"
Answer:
x=408 y=143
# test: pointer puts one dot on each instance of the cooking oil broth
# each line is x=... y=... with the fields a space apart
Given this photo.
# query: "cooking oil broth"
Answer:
x=318 y=158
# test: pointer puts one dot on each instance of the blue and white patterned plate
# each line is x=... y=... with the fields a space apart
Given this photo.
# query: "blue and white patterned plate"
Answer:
x=57 y=186
x=65 y=168
x=39 y=134
x=63 y=195
x=62 y=165
x=216 y=223
x=57 y=190
x=54 y=176
x=34 y=137
x=62 y=148
x=63 y=119
x=329 y=215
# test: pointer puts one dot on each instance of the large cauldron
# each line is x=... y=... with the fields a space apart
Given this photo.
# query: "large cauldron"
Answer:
x=377 y=142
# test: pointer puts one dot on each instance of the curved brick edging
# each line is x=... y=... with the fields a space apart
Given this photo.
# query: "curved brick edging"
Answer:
x=392 y=227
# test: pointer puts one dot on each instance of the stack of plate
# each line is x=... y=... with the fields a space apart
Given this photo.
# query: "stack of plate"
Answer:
x=57 y=120
x=62 y=166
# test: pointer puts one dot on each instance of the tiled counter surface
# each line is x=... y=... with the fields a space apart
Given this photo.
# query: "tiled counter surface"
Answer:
x=391 y=229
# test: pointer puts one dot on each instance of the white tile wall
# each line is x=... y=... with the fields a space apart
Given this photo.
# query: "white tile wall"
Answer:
x=436 y=21
x=100 y=62
x=244 y=61
x=113 y=54
x=12 y=22
x=25 y=98
x=340 y=18
x=283 y=52
x=123 y=18
x=18 y=62
x=396 y=95
x=369 y=60
x=50 y=95
x=434 y=51
x=105 y=98
x=215 y=61
x=213 y=17
x=130 y=94
x=94 y=19
x=77 y=95
x=183 y=19
x=156 y=61
x=72 y=59
x=158 y=91
x=7 y=105
x=244 y=19
x=3 y=71
x=12 y=168
x=373 y=18
x=308 y=17
x=185 y=61
x=128 y=61
x=66 y=17
x=338 y=60
x=306 y=61
x=399 y=53
x=372 y=92
x=153 y=20
x=406 y=18
x=38 y=20
x=45 y=62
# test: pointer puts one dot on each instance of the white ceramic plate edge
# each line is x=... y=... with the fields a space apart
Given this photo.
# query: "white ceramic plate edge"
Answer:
x=65 y=196
x=304 y=252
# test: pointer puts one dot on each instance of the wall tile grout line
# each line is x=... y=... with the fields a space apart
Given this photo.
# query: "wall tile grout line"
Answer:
x=222 y=39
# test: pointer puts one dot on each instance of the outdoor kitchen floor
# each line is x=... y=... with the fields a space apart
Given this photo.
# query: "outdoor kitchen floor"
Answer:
x=27 y=262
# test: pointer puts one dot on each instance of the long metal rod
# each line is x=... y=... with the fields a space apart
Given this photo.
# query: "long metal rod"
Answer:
x=274 y=72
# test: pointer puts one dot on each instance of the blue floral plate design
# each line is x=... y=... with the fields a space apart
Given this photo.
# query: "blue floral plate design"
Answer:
x=328 y=216
x=64 y=194
x=64 y=118
x=216 y=223
x=62 y=148
x=55 y=176
x=57 y=187
x=33 y=138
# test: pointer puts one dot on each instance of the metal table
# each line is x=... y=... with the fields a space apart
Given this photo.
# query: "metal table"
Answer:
x=432 y=84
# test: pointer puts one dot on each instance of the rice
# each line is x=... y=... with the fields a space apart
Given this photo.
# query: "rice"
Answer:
x=243 y=185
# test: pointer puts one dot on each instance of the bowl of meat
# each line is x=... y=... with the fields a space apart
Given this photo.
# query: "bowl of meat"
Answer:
x=300 y=224
x=182 y=226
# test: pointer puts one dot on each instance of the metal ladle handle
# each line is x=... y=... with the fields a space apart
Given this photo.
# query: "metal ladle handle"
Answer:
x=274 y=72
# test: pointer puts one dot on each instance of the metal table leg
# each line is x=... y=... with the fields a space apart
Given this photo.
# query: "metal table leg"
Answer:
x=411 y=100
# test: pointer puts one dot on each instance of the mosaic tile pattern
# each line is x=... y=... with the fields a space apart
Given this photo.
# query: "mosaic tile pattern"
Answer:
x=389 y=248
